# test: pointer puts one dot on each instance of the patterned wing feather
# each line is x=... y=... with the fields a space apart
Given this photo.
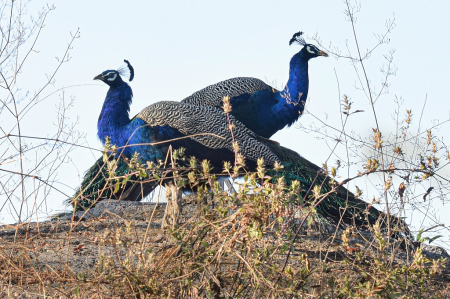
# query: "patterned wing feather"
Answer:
x=213 y=94
x=209 y=126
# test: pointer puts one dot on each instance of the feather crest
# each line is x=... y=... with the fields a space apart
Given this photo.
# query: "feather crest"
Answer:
x=298 y=38
x=126 y=70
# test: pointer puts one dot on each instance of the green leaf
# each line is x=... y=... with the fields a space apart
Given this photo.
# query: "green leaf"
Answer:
x=396 y=295
x=125 y=180
x=254 y=232
x=284 y=248
x=117 y=186
x=419 y=236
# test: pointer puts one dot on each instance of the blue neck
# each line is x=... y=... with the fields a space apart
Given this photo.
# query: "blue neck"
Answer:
x=291 y=100
x=114 y=117
x=114 y=122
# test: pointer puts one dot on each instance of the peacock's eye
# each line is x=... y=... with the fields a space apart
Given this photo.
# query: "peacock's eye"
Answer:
x=111 y=76
x=310 y=49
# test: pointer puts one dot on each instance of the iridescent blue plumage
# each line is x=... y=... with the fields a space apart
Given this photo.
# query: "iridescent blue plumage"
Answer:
x=114 y=116
x=262 y=109
x=114 y=120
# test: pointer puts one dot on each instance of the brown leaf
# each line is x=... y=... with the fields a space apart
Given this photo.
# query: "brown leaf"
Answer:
x=401 y=191
x=379 y=288
x=79 y=248
x=352 y=249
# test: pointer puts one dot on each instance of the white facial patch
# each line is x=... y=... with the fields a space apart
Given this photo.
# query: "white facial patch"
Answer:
x=309 y=50
x=113 y=78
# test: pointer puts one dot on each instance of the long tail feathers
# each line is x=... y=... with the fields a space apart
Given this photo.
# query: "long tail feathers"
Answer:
x=97 y=185
x=336 y=203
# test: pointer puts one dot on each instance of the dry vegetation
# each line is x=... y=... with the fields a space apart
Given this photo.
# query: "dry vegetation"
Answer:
x=225 y=246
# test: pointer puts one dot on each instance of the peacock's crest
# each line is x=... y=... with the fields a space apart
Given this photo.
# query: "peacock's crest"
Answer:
x=126 y=70
x=298 y=38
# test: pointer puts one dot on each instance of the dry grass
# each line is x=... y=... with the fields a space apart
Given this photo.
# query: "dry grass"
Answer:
x=226 y=246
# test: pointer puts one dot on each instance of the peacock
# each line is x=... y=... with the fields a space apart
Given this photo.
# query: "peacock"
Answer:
x=261 y=108
x=208 y=128
x=166 y=124
x=204 y=132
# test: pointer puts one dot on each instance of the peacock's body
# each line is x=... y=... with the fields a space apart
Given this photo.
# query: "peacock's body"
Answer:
x=261 y=108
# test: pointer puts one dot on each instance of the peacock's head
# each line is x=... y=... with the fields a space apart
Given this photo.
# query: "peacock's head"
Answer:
x=309 y=51
x=114 y=78
x=110 y=77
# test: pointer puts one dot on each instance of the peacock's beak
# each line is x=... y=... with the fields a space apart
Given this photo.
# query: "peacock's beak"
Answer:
x=322 y=53
x=99 y=77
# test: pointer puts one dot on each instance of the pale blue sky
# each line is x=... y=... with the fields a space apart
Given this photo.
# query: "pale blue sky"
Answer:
x=178 y=47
